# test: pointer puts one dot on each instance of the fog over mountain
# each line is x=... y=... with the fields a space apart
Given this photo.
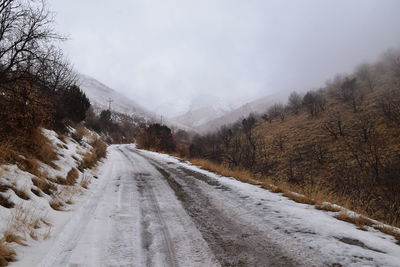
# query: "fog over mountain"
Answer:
x=165 y=54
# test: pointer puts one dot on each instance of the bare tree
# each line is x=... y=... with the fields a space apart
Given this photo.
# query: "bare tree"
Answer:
x=248 y=125
x=334 y=125
x=351 y=93
x=365 y=74
x=295 y=102
x=315 y=102
x=31 y=67
x=389 y=104
x=276 y=111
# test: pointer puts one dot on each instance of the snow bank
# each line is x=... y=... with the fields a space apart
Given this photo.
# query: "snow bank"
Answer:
x=32 y=217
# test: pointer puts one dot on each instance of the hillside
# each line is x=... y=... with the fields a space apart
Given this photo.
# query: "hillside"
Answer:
x=339 y=143
x=99 y=95
x=210 y=118
x=37 y=190
x=258 y=106
x=122 y=107
x=196 y=117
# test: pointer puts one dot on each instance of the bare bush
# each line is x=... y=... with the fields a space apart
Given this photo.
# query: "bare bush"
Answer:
x=315 y=103
x=389 y=104
x=334 y=126
x=276 y=111
x=295 y=102
x=366 y=75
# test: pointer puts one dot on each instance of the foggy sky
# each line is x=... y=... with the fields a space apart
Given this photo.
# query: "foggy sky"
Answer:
x=167 y=54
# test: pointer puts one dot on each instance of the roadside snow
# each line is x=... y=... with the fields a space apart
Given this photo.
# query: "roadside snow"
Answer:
x=299 y=225
x=33 y=218
x=130 y=211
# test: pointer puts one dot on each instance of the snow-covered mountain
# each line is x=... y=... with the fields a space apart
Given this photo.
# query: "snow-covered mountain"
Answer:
x=212 y=117
x=196 y=117
x=99 y=95
x=258 y=106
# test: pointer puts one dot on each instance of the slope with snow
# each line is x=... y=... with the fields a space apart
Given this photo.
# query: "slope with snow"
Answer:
x=33 y=218
x=209 y=118
x=196 y=117
x=99 y=94
x=150 y=209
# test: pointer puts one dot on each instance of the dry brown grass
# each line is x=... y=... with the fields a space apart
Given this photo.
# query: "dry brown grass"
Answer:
x=82 y=130
x=86 y=180
x=23 y=223
x=271 y=187
x=72 y=176
x=21 y=192
x=248 y=177
x=44 y=184
x=242 y=175
x=7 y=254
x=358 y=220
x=62 y=138
x=44 y=150
x=389 y=230
x=6 y=202
x=56 y=204
x=7 y=152
x=320 y=195
x=299 y=198
x=30 y=164
x=90 y=159
x=327 y=207
x=26 y=151
x=23 y=218
x=10 y=237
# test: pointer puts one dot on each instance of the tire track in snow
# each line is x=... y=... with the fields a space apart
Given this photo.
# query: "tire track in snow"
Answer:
x=146 y=189
x=66 y=241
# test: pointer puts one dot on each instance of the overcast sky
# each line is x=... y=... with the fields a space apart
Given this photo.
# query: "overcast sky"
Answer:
x=167 y=54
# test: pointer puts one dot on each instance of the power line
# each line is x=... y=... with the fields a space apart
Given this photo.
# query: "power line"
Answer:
x=109 y=103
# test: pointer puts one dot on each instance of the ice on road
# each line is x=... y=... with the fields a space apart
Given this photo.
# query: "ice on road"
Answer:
x=149 y=209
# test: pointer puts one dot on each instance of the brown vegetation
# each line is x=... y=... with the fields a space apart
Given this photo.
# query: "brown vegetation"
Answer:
x=355 y=219
x=44 y=184
x=288 y=190
x=26 y=155
x=339 y=144
x=86 y=180
x=5 y=202
x=72 y=176
x=389 y=231
x=56 y=204
x=90 y=159
x=327 y=207
x=7 y=254
x=241 y=175
x=156 y=137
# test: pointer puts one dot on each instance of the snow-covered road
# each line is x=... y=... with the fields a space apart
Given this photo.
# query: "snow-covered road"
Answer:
x=150 y=209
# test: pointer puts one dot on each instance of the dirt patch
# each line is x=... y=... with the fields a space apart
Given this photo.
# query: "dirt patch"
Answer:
x=204 y=178
x=233 y=243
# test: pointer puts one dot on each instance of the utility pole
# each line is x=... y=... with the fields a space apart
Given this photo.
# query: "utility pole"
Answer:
x=161 y=119
x=109 y=103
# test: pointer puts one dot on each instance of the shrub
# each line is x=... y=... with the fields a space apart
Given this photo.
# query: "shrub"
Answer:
x=73 y=104
x=98 y=152
x=5 y=202
x=86 y=180
x=72 y=176
x=157 y=137
x=7 y=254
